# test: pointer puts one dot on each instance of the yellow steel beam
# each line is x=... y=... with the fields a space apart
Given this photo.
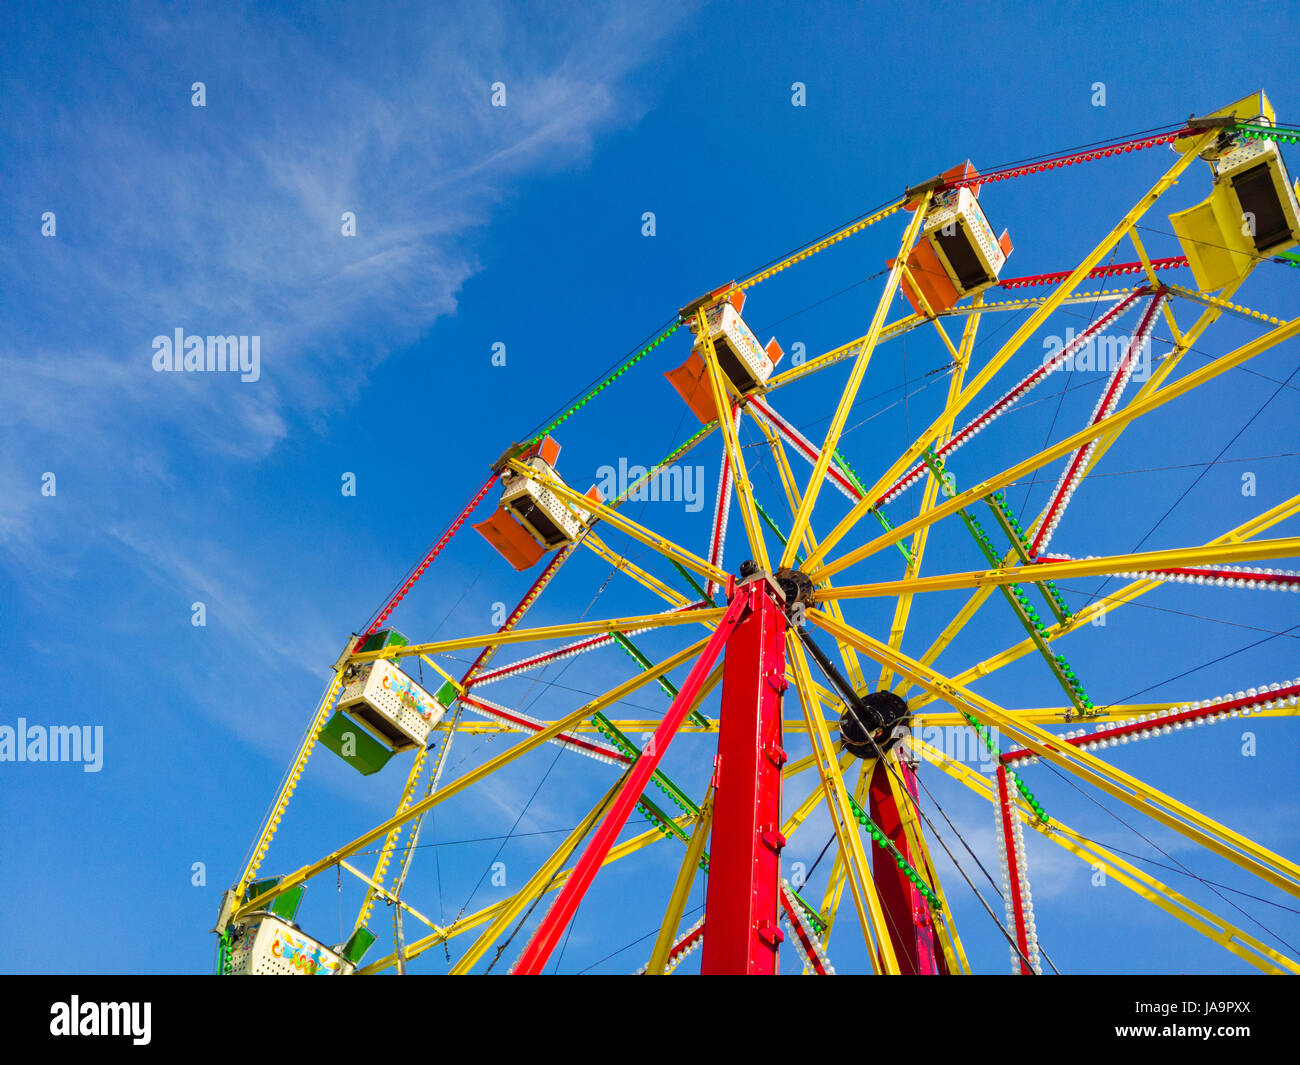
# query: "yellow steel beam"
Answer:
x=1142 y=884
x=1104 y=444
x=1116 y=713
x=1125 y=594
x=1027 y=329
x=1236 y=848
x=547 y=632
x=535 y=886
x=1071 y=443
x=1225 y=554
x=903 y=605
x=954 y=953
x=474 y=920
x=458 y=785
x=839 y=354
x=930 y=315
x=818 y=246
x=681 y=889
x=850 y=392
x=791 y=489
x=383 y=892
x=735 y=457
x=290 y=782
x=626 y=565
x=880 y=947
x=640 y=533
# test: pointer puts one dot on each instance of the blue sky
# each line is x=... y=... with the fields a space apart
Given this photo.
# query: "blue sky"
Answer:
x=522 y=226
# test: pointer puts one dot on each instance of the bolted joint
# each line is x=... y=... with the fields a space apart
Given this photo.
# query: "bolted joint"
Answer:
x=770 y=934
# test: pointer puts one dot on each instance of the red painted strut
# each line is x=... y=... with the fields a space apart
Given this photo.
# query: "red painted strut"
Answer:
x=557 y=918
x=1013 y=871
x=1159 y=722
x=434 y=551
x=1119 y=148
x=1114 y=270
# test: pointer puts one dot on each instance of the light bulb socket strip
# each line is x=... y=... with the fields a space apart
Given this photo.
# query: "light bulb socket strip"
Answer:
x=632 y=752
x=578 y=647
x=1114 y=270
x=1273 y=580
x=1078 y=462
x=687 y=943
x=885 y=843
x=1253 y=700
x=982 y=421
x=806 y=944
x=523 y=723
x=1072 y=159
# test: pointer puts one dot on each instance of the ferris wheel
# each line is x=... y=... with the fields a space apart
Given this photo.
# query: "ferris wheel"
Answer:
x=793 y=676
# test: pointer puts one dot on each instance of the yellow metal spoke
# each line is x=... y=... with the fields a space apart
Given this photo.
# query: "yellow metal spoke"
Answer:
x=903 y=606
x=1250 y=551
x=1103 y=444
x=844 y=351
x=535 y=886
x=880 y=947
x=681 y=889
x=290 y=782
x=1071 y=443
x=954 y=953
x=531 y=742
x=548 y=632
x=1195 y=916
x=466 y=924
x=1236 y=848
x=1114 y=601
x=1027 y=329
x=735 y=458
x=625 y=525
x=850 y=392
x=641 y=576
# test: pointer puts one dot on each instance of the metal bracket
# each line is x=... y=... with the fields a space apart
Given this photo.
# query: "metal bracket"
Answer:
x=770 y=934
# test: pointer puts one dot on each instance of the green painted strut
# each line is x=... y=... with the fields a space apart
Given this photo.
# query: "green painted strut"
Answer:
x=625 y=746
x=619 y=372
x=882 y=840
x=1269 y=133
x=856 y=481
x=1016 y=597
x=986 y=735
x=670 y=689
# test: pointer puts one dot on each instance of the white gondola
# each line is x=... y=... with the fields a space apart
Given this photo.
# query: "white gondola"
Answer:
x=391 y=705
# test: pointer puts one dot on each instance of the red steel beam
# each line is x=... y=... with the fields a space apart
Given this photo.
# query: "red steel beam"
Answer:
x=907 y=916
x=740 y=911
x=557 y=918
x=1013 y=870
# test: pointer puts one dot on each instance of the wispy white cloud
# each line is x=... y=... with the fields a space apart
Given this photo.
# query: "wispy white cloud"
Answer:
x=226 y=220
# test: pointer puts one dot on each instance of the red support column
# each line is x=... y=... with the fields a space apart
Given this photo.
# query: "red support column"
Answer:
x=741 y=935
x=908 y=918
x=557 y=918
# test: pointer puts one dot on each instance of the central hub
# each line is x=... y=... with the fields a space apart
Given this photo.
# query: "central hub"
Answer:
x=796 y=586
x=866 y=734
